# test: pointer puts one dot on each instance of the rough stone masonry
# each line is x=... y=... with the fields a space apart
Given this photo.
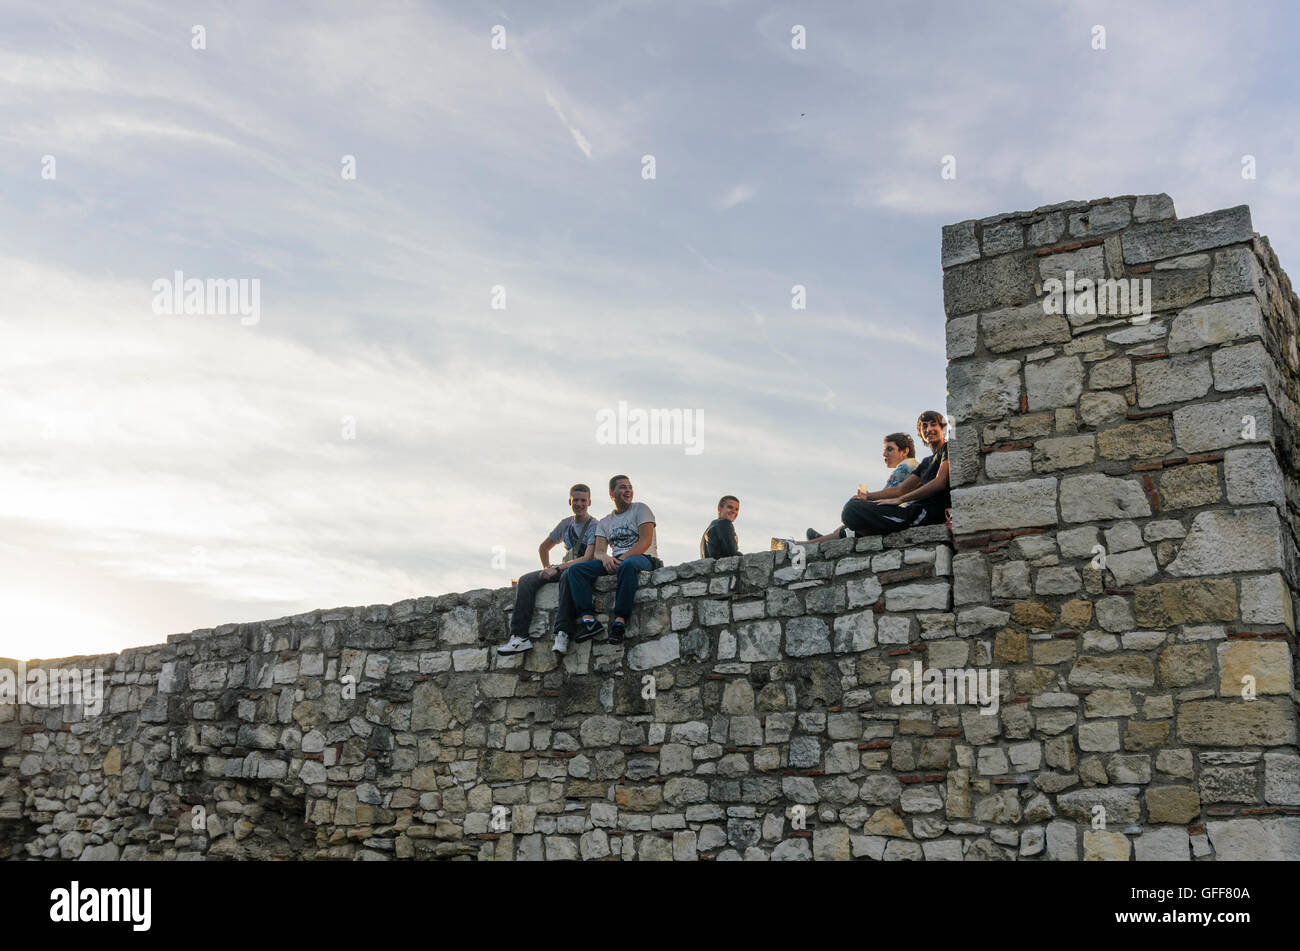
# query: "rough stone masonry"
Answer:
x=1123 y=556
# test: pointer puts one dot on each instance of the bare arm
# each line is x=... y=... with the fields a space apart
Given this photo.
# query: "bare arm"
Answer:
x=907 y=485
x=933 y=487
x=544 y=551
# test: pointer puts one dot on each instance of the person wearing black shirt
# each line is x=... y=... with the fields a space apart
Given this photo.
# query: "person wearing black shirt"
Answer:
x=719 y=539
x=921 y=498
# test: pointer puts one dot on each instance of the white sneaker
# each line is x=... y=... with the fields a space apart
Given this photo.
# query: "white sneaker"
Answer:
x=561 y=645
x=516 y=645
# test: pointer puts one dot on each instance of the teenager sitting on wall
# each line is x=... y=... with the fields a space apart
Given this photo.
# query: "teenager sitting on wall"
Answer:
x=719 y=539
x=900 y=455
x=577 y=534
x=625 y=545
x=920 y=499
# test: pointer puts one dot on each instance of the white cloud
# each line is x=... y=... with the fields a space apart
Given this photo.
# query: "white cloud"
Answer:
x=736 y=195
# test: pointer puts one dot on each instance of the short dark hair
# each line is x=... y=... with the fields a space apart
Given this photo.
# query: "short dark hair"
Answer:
x=903 y=442
x=613 y=481
x=578 y=487
x=723 y=501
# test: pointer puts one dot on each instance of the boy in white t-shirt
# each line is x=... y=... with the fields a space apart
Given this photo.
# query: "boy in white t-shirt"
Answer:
x=625 y=545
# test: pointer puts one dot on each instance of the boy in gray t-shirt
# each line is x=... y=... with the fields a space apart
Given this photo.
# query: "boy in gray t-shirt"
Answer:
x=622 y=530
x=577 y=534
x=625 y=545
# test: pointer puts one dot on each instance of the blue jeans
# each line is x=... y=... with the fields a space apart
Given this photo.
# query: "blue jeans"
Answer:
x=582 y=575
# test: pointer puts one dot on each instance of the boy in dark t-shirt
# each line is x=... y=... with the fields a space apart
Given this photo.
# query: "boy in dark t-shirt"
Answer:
x=920 y=499
x=719 y=539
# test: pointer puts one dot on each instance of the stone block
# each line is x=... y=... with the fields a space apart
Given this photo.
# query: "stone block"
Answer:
x=962 y=336
x=1010 y=580
x=1065 y=452
x=1236 y=368
x=1004 y=506
x=1220 y=425
x=1268 y=663
x=959 y=244
x=1186 y=602
x=1183 y=665
x=1109 y=374
x=1271 y=840
x=1140 y=440
x=980 y=389
x=1153 y=208
x=1166 y=239
x=1017 y=328
x=1253 y=477
x=1085 y=262
x=1228 y=723
x=1282 y=779
x=989 y=283
x=1052 y=383
x=1015 y=464
x=1128 y=568
x=1047 y=230
x=1175 y=380
x=1208 y=325
x=970 y=578
x=806 y=636
x=1190 y=487
x=1266 y=600
x=1116 y=670
x=1178 y=804
x=1223 y=542
x=1098 y=408
x=1100 y=219
x=1163 y=845
x=1235 y=272
x=1095 y=497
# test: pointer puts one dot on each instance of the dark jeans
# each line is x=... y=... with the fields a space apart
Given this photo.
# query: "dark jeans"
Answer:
x=872 y=518
x=583 y=574
x=526 y=599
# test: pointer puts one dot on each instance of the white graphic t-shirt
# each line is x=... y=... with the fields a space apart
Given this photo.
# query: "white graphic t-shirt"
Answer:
x=622 y=530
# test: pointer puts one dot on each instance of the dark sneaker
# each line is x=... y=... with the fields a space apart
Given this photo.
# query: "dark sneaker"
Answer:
x=812 y=533
x=588 y=629
x=617 y=631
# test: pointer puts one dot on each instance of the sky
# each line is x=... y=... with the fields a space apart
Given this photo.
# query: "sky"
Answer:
x=475 y=227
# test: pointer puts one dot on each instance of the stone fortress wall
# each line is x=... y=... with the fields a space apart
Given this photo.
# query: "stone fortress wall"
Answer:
x=1120 y=574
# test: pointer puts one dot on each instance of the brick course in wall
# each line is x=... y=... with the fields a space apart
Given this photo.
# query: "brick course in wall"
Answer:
x=1124 y=561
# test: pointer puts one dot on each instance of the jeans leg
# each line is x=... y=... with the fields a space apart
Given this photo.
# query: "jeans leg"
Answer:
x=525 y=600
x=566 y=616
x=627 y=578
x=581 y=577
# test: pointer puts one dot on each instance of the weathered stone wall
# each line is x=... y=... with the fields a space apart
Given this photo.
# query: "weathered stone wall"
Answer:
x=1155 y=462
x=770 y=688
x=1125 y=555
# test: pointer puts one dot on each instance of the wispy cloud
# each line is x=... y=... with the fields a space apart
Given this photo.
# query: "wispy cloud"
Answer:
x=736 y=195
x=578 y=137
x=169 y=473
